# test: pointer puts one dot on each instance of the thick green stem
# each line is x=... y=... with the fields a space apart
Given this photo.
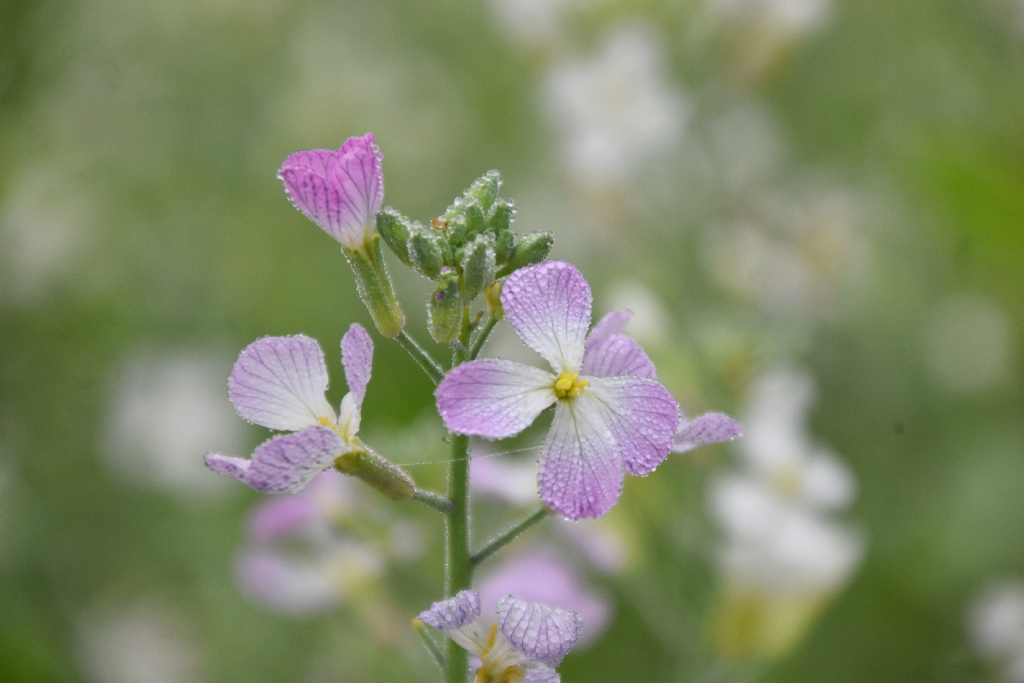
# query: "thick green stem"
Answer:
x=420 y=355
x=507 y=536
x=458 y=566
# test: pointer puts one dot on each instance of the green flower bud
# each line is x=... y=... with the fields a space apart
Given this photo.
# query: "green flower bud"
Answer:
x=530 y=249
x=456 y=231
x=485 y=189
x=429 y=250
x=374 y=287
x=478 y=265
x=503 y=246
x=378 y=472
x=500 y=216
x=444 y=307
x=474 y=214
x=395 y=229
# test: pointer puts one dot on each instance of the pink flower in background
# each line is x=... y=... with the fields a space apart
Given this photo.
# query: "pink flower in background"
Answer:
x=611 y=414
x=339 y=191
x=279 y=382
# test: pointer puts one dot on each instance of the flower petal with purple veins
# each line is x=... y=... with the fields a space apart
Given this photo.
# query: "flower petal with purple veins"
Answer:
x=613 y=322
x=616 y=354
x=357 y=358
x=453 y=613
x=642 y=416
x=339 y=191
x=493 y=398
x=580 y=471
x=542 y=633
x=227 y=465
x=279 y=382
x=288 y=462
x=706 y=429
x=548 y=306
x=539 y=675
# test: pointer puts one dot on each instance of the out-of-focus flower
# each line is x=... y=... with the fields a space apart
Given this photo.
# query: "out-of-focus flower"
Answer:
x=532 y=21
x=526 y=643
x=611 y=415
x=537 y=575
x=143 y=643
x=783 y=557
x=306 y=554
x=616 y=111
x=280 y=383
x=995 y=628
x=163 y=410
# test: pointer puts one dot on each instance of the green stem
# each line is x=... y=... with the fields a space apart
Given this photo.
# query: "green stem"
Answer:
x=458 y=566
x=508 y=535
x=481 y=338
x=432 y=647
x=420 y=355
x=433 y=500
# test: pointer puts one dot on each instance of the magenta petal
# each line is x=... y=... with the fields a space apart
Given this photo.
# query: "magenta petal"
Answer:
x=357 y=358
x=544 y=634
x=613 y=322
x=642 y=416
x=286 y=463
x=279 y=382
x=493 y=398
x=341 y=192
x=616 y=354
x=455 y=612
x=580 y=471
x=706 y=429
x=548 y=305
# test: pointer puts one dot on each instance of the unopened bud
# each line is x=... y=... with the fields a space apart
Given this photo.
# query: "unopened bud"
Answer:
x=478 y=265
x=474 y=214
x=530 y=249
x=485 y=188
x=429 y=251
x=395 y=229
x=503 y=245
x=444 y=307
x=500 y=217
x=493 y=296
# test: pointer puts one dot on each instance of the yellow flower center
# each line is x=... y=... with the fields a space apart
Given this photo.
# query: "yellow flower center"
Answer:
x=487 y=672
x=569 y=385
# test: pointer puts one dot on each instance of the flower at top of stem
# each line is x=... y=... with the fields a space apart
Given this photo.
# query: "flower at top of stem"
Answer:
x=524 y=645
x=611 y=414
x=339 y=191
x=279 y=382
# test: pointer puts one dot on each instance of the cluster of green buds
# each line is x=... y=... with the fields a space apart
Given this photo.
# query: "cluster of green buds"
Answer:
x=465 y=251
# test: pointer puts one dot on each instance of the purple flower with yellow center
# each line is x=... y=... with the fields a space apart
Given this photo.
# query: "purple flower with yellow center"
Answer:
x=611 y=414
x=342 y=193
x=280 y=382
x=339 y=191
x=524 y=645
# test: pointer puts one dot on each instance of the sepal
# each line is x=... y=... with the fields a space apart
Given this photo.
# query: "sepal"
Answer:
x=396 y=229
x=444 y=308
x=374 y=287
x=378 y=472
x=478 y=265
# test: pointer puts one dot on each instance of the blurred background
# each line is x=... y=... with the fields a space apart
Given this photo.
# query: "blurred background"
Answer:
x=815 y=209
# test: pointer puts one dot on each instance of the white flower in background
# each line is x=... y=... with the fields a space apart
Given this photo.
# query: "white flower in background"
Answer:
x=995 y=628
x=532 y=22
x=45 y=222
x=165 y=411
x=790 y=257
x=143 y=643
x=617 y=110
x=651 y=320
x=782 y=553
x=797 y=17
x=968 y=344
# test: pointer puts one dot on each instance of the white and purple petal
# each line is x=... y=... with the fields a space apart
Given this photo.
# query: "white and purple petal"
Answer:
x=548 y=305
x=493 y=398
x=541 y=675
x=279 y=382
x=616 y=354
x=284 y=464
x=580 y=471
x=357 y=359
x=339 y=191
x=706 y=429
x=455 y=612
x=642 y=417
x=544 y=634
x=613 y=322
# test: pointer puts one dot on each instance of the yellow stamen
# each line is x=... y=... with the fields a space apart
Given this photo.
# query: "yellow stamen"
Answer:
x=481 y=675
x=569 y=385
x=492 y=635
